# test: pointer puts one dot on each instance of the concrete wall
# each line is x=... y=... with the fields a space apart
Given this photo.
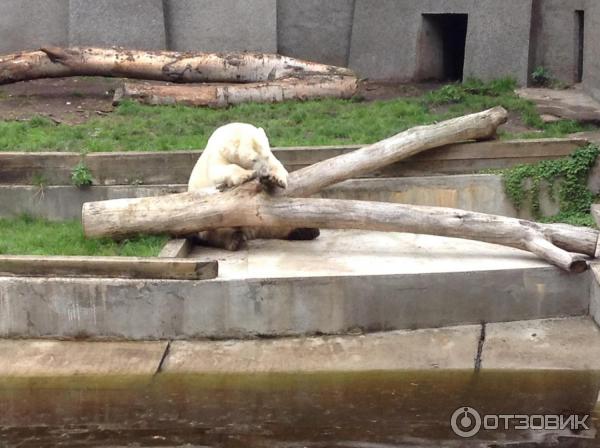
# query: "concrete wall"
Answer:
x=554 y=37
x=222 y=25
x=498 y=39
x=387 y=34
x=29 y=24
x=125 y=23
x=315 y=29
x=380 y=39
x=591 y=66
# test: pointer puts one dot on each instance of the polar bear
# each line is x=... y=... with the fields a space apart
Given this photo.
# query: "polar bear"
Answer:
x=236 y=153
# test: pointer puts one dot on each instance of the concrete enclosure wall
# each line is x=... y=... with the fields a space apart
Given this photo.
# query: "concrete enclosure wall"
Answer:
x=555 y=31
x=28 y=24
x=124 y=23
x=380 y=39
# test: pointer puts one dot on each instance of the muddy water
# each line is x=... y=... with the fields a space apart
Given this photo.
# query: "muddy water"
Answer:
x=377 y=410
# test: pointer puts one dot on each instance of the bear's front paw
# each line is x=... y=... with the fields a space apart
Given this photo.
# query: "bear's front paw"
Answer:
x=274 y=180
x=237 y=180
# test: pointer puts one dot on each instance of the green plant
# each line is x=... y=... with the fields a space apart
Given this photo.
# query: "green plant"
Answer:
x=566 y=179
x=81 y=176
x=449 y=94
x=541 y=77
x=41 y=182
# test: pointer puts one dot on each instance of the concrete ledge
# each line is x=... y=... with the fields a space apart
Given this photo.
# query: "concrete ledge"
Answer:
x=475 y=192
x=59 y=358
x=447 y=348
x=339 y=283
x=174 y=167
x=565 y=344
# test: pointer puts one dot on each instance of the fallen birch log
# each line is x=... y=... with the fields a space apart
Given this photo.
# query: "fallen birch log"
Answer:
x=249 y=206
x=223 y=95
x=242 y=67
x=312 y=179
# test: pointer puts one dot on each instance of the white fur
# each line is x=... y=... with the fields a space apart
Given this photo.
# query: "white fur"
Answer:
x=234 y=154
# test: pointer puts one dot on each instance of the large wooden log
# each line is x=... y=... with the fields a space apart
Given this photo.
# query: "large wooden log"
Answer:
x=249 y=206
x=223 y=95
x=186 y=213
x=310 y=180
x=242 y=67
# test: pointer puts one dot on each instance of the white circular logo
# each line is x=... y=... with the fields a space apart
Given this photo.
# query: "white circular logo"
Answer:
x=466 y=422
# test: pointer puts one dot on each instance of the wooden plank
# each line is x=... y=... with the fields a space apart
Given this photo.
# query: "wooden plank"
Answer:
x=110 y=267
x=174 y=167
x=176 y=248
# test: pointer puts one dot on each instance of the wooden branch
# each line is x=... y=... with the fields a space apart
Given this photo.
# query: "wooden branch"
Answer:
x=53 y=62
x=223 y=95
x=112 y=267
x=310 y=180
x=186 y=213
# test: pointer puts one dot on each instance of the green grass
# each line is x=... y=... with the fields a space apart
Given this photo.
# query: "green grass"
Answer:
x=136 y=127
x=28 y=236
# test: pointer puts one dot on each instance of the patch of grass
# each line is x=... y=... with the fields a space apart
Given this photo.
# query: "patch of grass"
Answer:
x=566 y=180
x=137 y=127
x=29 y=236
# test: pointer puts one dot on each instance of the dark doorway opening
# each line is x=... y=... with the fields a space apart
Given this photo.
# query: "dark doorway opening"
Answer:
x=441 y=49
x=579 y=36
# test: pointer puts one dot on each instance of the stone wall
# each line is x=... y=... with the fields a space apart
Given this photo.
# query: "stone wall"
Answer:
x=380 y=39
x=28 y=24
x=125 y=23
x=555 y=37
x=591 y=66
x=222 y=25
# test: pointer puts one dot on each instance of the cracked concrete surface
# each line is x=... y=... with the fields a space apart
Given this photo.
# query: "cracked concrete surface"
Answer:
x=565 y=344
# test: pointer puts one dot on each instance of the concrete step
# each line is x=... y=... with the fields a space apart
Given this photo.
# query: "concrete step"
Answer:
x=565 y=344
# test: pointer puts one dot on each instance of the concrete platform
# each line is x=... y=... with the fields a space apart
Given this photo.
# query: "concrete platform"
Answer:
x=445 y=348
x=565 y=344
x=345 y=281
x=567 y=104
x=59 y=358
x=553 y=344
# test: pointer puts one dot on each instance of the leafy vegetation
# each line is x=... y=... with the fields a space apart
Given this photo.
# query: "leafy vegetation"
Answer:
x=29 y=236
x=81 y=176
x=566 y=180
x=541 y=77
x=136 y=127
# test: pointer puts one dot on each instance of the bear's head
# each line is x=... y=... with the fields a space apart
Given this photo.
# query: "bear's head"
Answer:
x=261 y=160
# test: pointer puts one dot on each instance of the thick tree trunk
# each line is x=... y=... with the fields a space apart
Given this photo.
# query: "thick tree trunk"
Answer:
x=223 y=95
x=186 y=213
x=310 y=180
x=55 y=62
x=248 y=205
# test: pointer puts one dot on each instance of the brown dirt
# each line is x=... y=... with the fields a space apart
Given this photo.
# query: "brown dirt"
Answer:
x=372 y=91
x=64 y=100
x=75 y=100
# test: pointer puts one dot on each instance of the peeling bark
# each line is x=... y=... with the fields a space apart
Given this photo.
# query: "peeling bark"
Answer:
x=240 y=67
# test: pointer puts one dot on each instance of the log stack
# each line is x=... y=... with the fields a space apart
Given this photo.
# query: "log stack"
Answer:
x=565 y=246
x=221 y=79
